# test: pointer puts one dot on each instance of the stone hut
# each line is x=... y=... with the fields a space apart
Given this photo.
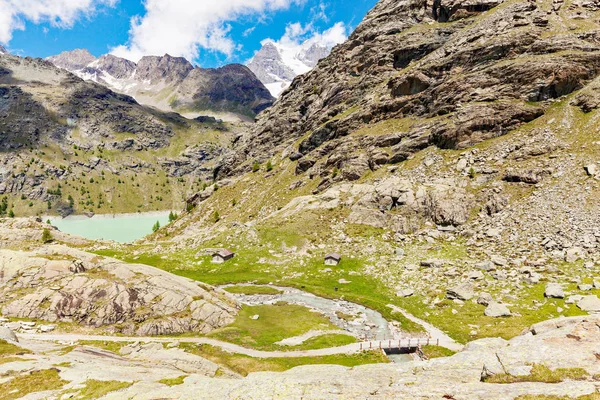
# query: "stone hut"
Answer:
x=332 y=259
x=222 y=255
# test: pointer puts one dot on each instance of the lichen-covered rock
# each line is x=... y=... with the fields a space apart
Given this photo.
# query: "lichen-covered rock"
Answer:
x=104 y=292
x=464 y=292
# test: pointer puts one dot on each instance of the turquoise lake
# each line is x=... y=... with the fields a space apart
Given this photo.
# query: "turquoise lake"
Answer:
x=122 y=228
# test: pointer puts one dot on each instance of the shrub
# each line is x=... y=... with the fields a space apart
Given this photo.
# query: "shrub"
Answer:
x=156 y=226
x=255 y=166
x=216 y=217
x=471 y=172
x=269 y=166
x=47 y=236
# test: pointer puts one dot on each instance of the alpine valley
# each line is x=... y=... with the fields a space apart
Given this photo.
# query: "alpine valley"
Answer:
x=417 y=216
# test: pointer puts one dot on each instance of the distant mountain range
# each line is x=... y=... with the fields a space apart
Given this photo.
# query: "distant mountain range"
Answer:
x=3 y=50
x=173 y=84
x=276 y=64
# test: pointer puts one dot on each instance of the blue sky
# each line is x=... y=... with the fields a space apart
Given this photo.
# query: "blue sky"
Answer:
x=210 y=32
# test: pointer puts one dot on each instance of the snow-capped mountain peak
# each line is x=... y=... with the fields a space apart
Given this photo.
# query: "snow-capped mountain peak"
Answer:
x=276 y=64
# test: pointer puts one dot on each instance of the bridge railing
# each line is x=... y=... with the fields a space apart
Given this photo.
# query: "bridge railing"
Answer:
x=400 y=344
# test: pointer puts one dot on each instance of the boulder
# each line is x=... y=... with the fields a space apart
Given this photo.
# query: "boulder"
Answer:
x=573 y=254
x=555 y=291
x=485 y=299
x=8 y=335
x=591 y=169
x=497 y=310
x=448 y=208
x=499 y=261
x=405 y=292
x=463 y=292
x=589 y=303
x=476 y=275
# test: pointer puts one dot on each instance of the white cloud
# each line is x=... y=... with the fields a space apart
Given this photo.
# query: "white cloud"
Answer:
x=59 y=13
x=181 y=27
x=297 y=36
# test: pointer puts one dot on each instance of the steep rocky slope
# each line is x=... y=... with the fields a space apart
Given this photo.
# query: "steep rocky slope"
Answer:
x=491 y=67
x=63 y=136
x=172 y=83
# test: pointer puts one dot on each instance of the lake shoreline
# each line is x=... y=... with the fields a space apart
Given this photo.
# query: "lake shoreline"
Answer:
x=76 y=217
x=120 y=228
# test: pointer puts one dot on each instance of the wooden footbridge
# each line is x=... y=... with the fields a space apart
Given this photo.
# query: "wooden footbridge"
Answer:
x=398 y=346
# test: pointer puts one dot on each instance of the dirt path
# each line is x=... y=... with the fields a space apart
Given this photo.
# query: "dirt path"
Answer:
x=348 y=349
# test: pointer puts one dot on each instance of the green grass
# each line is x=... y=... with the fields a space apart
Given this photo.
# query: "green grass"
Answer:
x=433 y=351
x=541 y=373
x=35 y=381
x=251 y=290
x=6 y=360
x=173 y=381
x=325 y=341
x=8 y=349
x=95 y=389
x=275 y=322
x=456 y=325
x=244 y=365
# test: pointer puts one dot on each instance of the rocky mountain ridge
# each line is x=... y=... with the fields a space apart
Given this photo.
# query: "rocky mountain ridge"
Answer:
x=57 y=128
x=172 y=83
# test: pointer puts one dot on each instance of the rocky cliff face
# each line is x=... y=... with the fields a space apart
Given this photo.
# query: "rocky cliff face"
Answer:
x=172 y=83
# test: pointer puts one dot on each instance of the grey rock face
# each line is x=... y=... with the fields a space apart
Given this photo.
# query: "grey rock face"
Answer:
x=116 y=67
x=132 y=299
x=3 y=50
x=337 y=98
x=267 y=64
x=154 y=68
x=72 y=60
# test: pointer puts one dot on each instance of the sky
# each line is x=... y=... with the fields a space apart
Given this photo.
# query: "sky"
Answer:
x=210 y=33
